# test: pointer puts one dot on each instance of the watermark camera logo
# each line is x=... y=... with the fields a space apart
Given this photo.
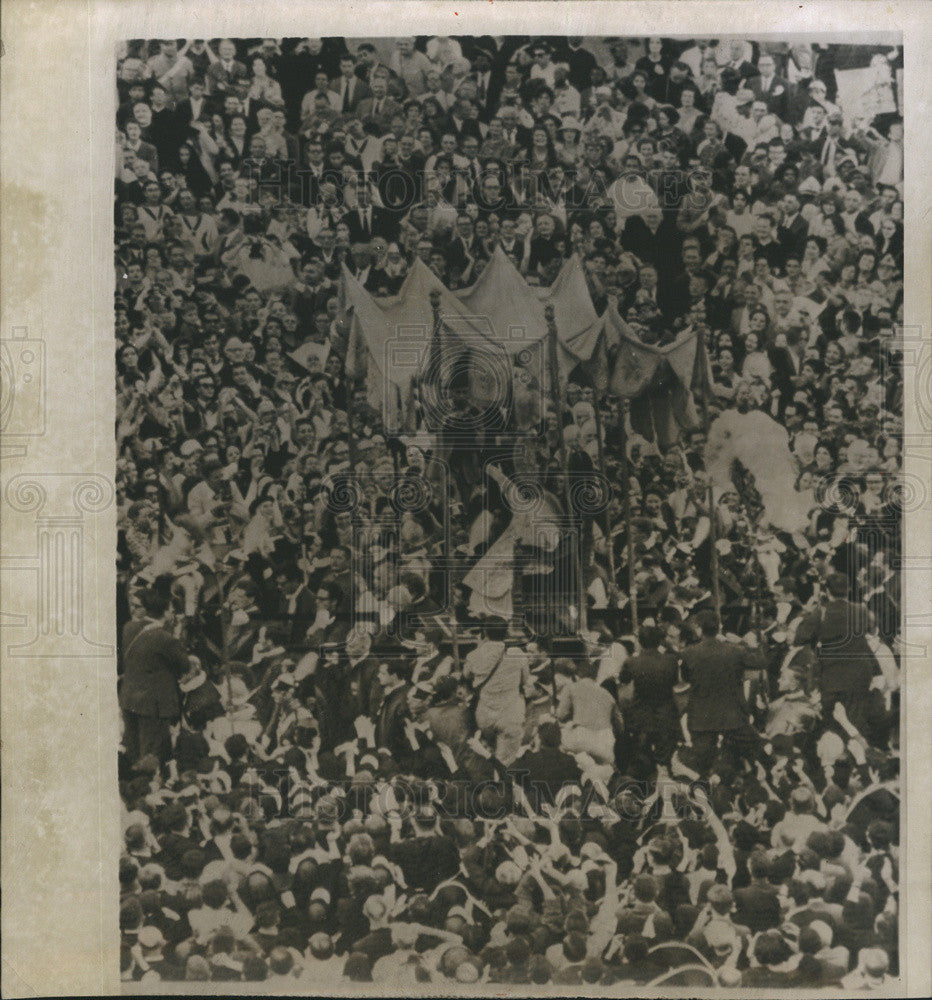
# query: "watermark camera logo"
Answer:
x=22 y=385
x=496 y=370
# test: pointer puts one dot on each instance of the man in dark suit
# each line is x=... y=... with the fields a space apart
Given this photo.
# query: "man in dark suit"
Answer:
x=738 y=67
x=792 y=230
x=394 y=679
x=222 y=74
x=510 y=242
x=651 y=716
x=831 y=145
x=846 y=663
x=773 y=90
x=366 y=220
x=153 y=662
x=194 y=108
x=361 y=669
x=162 y=131
x=514 y=134
x=653 y=238
x=462 y=122
x=461 y=248
x=380 y=108
x=348 y=87
x=489 y=80
x=757 y=905
x=142 y=150
x=543 y=771
x=717 y=706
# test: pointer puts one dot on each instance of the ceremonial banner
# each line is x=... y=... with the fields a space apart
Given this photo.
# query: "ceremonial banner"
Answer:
x=487 y=332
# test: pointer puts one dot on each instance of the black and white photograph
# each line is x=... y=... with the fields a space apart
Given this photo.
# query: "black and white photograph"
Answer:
x=465 y=499
x=509 y=479
x=509 y=438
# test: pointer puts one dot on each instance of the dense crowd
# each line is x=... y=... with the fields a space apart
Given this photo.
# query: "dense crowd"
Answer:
x=334 y=766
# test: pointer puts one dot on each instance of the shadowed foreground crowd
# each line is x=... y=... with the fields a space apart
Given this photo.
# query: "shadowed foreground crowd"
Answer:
x=333 y=768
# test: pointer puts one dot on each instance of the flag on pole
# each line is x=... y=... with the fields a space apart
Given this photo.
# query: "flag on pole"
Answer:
x=661 y=382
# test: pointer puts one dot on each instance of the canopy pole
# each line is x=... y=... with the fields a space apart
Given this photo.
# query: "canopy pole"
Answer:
x=557 y=398
x=713 y=526
x=606 y=521
x=446 y=500
x=629 y=534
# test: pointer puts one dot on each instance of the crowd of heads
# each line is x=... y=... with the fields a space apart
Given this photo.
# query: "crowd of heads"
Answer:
x=332 y=805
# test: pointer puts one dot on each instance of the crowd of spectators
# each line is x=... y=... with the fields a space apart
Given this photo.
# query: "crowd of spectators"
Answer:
x=333 y=768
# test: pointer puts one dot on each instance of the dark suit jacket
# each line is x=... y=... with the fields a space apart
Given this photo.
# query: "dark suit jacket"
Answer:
x=464 y=127
x=543 y=772
x=149 y=153
x=715 y=669
x=184 y=113
x=660 y=249
x=153 y=660
x=390 y=725
x=384 y=224
x=776 y=103
x=360 y=92
x=654 y=675
x=793 y=237
x=365 y=110
x=846 y=663
x=757 y=907
x=219 y=80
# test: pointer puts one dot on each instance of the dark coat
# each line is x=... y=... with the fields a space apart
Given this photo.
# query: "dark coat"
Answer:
x=662 y=248
x=544 y=772
x=384 y=224
x=715 y=669
x=153 y=660
x=793 y=237
x=654 y=676
x=757 y=907
x=390 y=725
x=846 y=662
x=775 y=96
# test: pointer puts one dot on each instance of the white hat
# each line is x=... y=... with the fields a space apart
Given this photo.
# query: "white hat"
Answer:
x=150 y=937
x=508 y=873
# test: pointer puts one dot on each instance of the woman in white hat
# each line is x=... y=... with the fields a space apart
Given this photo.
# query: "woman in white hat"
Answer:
x=567 y=147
